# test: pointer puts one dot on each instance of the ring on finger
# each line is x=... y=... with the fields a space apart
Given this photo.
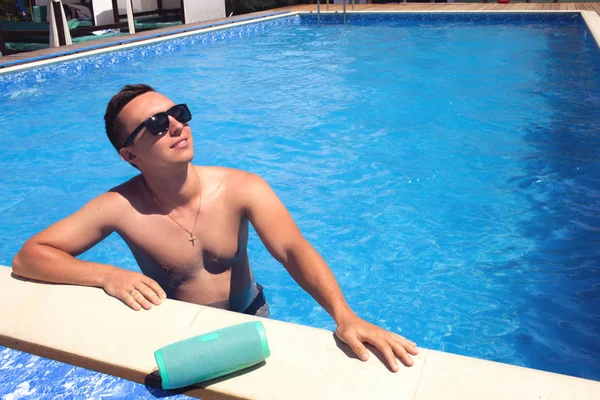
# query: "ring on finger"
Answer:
x=131 y=291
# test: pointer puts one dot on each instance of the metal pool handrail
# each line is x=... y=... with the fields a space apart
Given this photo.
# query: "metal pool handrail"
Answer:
x=319 y=9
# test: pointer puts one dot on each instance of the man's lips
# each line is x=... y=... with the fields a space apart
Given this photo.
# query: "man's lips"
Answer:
x=180 y=144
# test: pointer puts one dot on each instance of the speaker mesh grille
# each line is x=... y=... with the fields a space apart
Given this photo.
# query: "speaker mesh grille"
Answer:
x=193 y=360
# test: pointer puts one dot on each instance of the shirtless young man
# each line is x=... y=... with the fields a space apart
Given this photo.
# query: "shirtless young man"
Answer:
x=187 y=227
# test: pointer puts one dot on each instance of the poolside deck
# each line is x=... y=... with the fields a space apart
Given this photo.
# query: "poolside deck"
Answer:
x=492 y=6
x=24 y=58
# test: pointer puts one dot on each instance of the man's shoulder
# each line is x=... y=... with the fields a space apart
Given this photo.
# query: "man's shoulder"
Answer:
x=225 y=175
x=235 y=182
x=124 y=193
x=126 y=188
x=112 y=204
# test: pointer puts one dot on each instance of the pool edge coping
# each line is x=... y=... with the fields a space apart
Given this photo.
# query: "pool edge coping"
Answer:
x=56 y=321
x=592 y=20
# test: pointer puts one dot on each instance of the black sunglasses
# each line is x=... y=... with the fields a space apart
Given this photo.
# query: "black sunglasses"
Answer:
x=158 y=124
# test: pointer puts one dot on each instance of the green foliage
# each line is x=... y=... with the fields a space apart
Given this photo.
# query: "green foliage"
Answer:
x=248 y=6
x=9 y=16
x=9 y=11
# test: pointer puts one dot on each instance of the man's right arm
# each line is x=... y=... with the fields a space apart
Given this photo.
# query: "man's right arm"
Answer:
x=50 y=255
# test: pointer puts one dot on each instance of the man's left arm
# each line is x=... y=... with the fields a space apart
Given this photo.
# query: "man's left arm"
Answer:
x=282 y=238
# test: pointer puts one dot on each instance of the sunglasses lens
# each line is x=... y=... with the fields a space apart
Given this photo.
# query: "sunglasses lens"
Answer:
x=181 y=113
x=158 y=124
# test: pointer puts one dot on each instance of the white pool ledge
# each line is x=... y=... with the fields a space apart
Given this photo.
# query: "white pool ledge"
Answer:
x=85 y=327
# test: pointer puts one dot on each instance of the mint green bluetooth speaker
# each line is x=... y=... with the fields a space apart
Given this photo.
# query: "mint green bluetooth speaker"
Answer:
x=212 y=355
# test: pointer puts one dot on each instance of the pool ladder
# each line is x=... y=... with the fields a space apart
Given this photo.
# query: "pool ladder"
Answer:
x=327 y=7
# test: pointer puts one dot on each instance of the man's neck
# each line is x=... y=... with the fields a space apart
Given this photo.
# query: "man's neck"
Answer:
x=175 y=187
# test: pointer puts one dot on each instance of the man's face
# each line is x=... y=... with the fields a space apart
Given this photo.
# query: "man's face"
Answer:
x=174 y=147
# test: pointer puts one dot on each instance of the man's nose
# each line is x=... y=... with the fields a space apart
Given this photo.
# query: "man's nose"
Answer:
x=175 y=127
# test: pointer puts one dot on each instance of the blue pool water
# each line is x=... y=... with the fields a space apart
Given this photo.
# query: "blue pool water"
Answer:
x=446 y=167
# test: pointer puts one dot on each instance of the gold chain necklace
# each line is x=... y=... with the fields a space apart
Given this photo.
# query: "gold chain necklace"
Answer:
x=192 y=237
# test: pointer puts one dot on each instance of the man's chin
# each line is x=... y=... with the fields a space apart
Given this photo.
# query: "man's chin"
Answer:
x=183 y=158
x=172 y=163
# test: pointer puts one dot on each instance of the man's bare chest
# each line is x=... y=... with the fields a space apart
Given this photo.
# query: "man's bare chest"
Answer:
x=217 y=240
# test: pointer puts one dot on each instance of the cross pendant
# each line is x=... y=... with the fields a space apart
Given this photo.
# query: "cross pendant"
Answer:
x=192 y=239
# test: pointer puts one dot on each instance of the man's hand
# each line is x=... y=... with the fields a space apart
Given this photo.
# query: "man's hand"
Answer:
x=355 y=331
x=134 y=289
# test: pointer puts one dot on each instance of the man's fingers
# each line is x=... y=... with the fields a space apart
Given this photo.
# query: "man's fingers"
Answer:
x=389 y=355
x=357 y=347
x=402 y=338
x=391 y=346
x=140 y=299
x=409 y=346
x=130 y=301
x=149 y=294
x=402 y=353
x=151 y=283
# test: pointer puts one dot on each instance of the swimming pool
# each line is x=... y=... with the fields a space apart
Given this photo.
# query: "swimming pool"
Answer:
x=446 y=166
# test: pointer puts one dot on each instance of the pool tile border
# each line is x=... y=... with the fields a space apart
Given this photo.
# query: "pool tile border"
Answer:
x=126 y=44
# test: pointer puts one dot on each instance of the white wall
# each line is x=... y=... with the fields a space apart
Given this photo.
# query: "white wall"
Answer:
x=197 y=11
x=103 y=12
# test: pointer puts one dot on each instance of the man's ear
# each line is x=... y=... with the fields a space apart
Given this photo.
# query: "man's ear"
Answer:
x=127 y=155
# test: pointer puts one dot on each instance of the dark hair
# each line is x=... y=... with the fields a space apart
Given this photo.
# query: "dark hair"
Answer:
x=114 y=107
